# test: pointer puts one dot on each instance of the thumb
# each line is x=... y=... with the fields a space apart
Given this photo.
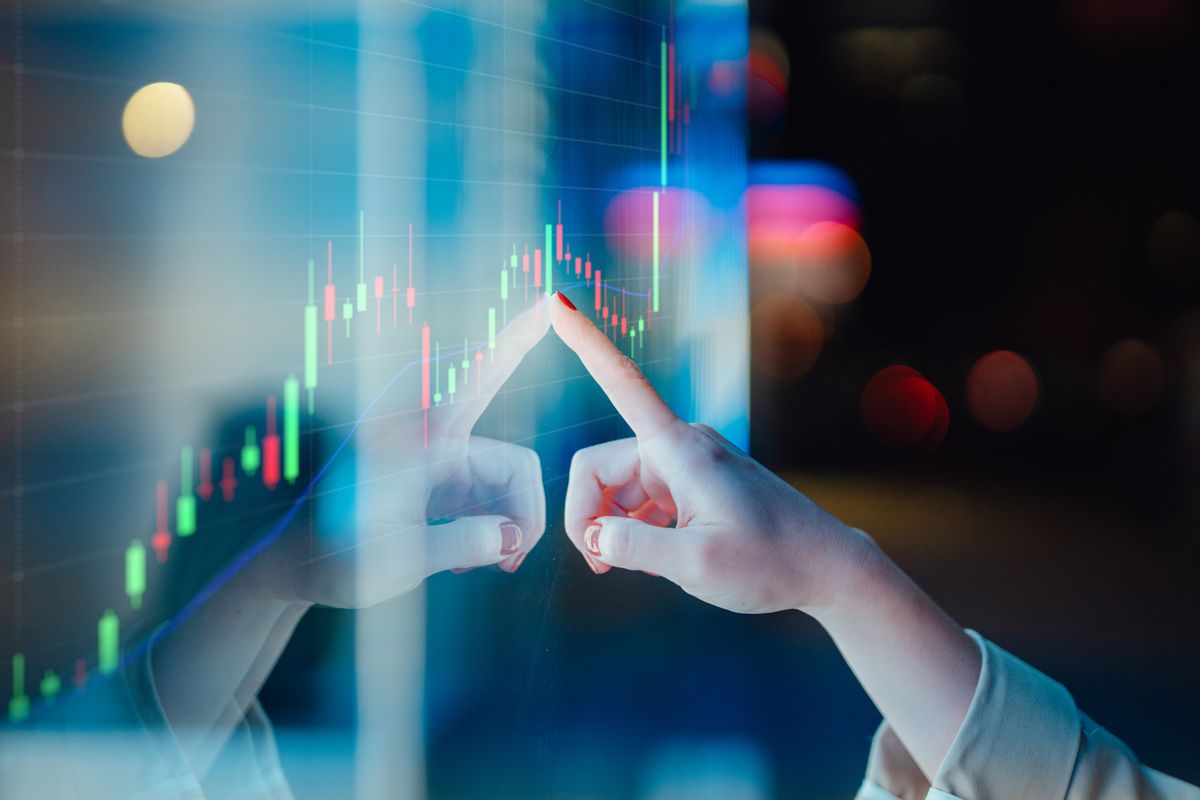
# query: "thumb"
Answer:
x=633 y=544
x=470 y=542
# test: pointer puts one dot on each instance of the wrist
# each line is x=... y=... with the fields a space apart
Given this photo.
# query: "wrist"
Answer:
x=853 y=569
x=269 y=582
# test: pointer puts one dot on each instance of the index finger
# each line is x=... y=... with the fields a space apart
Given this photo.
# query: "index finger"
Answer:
x=494 y=368
x=620 y=378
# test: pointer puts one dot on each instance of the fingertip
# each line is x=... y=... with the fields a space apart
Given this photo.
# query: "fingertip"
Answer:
x=596 y=566
x=510 y=538
x=513 y=564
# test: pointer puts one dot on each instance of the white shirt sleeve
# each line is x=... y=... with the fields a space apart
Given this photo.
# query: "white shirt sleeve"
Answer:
x=112 y=740
x=1022 y=737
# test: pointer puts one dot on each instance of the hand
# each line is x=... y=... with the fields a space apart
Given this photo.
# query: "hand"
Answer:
x=682 y=502
x=486 y=495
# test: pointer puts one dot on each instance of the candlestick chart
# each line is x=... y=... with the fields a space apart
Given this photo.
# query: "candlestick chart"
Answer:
x=273 y=304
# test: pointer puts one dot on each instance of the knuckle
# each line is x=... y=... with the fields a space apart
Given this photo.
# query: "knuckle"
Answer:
x=535 y=462
x=580 y=461
x=630 y=368
x=708 y=452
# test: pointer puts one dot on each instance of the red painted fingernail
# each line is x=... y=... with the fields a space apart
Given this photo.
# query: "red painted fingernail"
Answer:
x=510 y=539
x=511 y=565
x=566 y=302
x=591 y=562
x=591 y=539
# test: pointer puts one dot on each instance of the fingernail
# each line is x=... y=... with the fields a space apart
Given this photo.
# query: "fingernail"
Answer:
x=511 y=565
x=591 y=562
x=591 y=539
x=510 y=539
x=566 y=302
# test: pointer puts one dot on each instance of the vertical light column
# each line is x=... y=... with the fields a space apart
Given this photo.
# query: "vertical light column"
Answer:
x=558 y=236
x=437 y=373
x=362 y=281
x=549 y=272
x=654 y=288
x=185 y=506
x=310 y=341
x=18 y=706
x=504 y=294
x=330 y=304
x=161 y=539
x=291 y=428
x=135 y=573
x=663 y=111
x=492 y=335
x=50 y=686
x=425 y=379
x=205 y=487
x=251 y=455
x=270 y=448
x=410 y=296
x=378 y=302
x=108 y=634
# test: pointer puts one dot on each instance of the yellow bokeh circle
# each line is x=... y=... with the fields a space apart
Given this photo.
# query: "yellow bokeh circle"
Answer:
x=158 y=119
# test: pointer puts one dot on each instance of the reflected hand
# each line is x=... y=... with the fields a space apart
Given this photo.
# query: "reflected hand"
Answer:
x=428 y=499
x=682 y=502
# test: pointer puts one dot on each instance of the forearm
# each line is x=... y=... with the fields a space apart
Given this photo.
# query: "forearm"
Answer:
x=209 y=670
x=918 y=666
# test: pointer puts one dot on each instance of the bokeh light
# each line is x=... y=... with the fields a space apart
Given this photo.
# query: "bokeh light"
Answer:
x=1173 y=246
x=1127 y=20
x=832 y=262
x=879 y=60
x=788 y=336
x=158 y=119
x=725 y=77
x=629 y=221
x=900 y=408
x=769 y=70
x=1002 y=391
x=802 y=227
x=1130 y=378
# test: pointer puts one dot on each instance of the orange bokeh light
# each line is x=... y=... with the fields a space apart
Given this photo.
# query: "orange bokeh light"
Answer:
x=788 y=336
x=1130 y=379
x=1002 y=391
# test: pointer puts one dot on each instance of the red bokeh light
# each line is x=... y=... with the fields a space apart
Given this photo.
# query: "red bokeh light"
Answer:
x=1002 y=391
x=900 y=408
x=767 y=76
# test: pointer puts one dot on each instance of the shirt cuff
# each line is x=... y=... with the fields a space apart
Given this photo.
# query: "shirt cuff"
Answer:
x=870 y=791
x=1020 y=737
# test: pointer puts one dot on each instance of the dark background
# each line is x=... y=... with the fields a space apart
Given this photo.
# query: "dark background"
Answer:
x=1013 y=208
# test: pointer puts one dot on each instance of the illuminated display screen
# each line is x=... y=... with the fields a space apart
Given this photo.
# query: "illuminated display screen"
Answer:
x=267 y=263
